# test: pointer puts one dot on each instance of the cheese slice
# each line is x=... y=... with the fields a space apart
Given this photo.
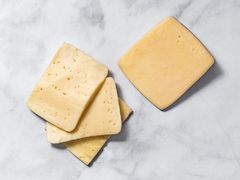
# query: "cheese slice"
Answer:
x=101 y=118
x=166 y=62
x=66 y=87
x=87 y=148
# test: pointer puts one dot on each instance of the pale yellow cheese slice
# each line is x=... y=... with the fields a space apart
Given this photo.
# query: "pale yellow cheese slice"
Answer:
x=66 y=87
x=166 y=62
x=102 y=117
x=87 y=148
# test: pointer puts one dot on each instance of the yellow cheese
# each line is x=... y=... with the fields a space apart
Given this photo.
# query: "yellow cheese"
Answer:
x=166 y=62
x=102 y=117
x=87 y=148
x=66 y=87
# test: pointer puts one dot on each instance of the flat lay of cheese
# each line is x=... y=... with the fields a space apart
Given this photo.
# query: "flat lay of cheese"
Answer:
x=102 y=117
x=166 y=62
x=87 y=148
x=80 y=103
x=66 y=87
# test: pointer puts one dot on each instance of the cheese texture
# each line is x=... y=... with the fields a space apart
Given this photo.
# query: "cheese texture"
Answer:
x=66 y=87
x=87 y=148
x=102 y=117
x=166 y=62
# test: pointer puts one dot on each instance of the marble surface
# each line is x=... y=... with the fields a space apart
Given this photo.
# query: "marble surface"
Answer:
x=197 y=139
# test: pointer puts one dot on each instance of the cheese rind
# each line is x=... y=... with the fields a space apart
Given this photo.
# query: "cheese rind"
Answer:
x=87 y=148
x=166 y=62
x=102 y=117
x=66 y=87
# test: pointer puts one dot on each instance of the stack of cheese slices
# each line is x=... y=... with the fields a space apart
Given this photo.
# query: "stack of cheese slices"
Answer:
x=79 y=102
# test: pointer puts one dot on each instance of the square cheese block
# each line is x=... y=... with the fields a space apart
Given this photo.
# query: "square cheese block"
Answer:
x=102 y=117
x=66 y=87
x=166 y=62
x=87 y=148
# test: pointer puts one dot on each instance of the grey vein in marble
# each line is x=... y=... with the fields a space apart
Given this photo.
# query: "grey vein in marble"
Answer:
x=92 y=12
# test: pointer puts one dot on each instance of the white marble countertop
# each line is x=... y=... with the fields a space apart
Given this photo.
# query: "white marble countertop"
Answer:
x=198 y=138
